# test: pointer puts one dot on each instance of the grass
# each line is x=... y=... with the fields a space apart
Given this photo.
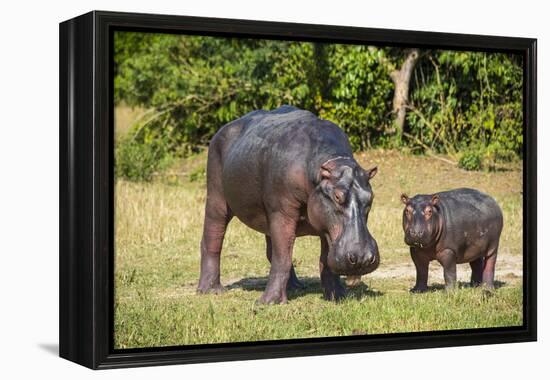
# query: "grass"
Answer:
x=125 y=117
x=158 y=230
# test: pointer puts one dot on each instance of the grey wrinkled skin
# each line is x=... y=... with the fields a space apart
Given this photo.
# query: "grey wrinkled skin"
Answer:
x=286 y=173
x=453 y=227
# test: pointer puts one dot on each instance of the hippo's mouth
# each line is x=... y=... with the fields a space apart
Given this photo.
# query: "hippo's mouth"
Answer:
x=416 y=243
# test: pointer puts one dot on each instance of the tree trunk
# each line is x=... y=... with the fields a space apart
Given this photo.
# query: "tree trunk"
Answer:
x=319 y=77
x=401 y=79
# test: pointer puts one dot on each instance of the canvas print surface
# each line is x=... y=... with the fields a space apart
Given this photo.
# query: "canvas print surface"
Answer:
x=270 y=189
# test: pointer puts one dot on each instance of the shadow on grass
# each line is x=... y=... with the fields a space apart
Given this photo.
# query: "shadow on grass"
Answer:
x=312 y=285
x=463 y=285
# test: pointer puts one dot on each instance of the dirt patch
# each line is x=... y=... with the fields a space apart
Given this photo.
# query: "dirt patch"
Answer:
x=507 y=266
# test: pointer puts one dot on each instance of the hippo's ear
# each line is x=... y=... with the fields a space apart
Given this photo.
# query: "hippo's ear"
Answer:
x=327 y=169
x=435 y=199
x=372 y=172
x=404 y=198
x=325 y=174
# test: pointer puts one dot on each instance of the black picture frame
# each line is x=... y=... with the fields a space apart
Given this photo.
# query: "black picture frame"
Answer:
x=87 y=195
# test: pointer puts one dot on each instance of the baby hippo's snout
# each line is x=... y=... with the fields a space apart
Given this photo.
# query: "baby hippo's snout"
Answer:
x=416 y=233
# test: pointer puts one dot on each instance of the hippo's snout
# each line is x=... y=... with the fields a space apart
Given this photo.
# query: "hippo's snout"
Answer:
x=355 y=260
x=352 y=258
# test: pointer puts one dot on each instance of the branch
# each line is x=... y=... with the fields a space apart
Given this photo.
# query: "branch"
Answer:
x=434 y=130
x=429 y=151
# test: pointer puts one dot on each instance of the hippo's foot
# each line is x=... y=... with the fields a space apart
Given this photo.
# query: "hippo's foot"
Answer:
x=451 y=287
x=419 y=289
x=272 y=298
x=293 y=282
x=333 y=290
x=336 y=294
x=210 y=289
x=475 y=284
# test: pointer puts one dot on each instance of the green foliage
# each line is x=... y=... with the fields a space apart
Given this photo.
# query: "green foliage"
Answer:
x=199 y=174
x=192 y=85
x=488 y=158
x=361 y=92
x=138 y=161
x=470 y=161
x=465 y=99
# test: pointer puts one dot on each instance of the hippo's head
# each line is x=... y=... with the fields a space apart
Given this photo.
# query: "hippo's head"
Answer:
x=339 y=208
x=421 y=220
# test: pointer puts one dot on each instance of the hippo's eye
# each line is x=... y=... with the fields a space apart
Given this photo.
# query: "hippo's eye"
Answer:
x=339 y=196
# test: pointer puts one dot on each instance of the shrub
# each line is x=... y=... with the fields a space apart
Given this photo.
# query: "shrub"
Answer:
x=138 y=161
x=470 y=161
x=199 y=174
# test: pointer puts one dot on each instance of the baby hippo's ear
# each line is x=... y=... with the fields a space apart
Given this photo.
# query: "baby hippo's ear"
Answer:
x=404 y=198
x=372 y=172
x=435 y=199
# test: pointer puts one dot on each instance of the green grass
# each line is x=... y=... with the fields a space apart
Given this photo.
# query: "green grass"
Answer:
x=158 y=230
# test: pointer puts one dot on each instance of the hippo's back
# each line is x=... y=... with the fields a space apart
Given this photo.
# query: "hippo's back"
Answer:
x=275 y=140
x=472 y=222
x=471 y=203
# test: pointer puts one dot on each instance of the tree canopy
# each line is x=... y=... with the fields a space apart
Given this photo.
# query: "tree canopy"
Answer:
x=190 y=86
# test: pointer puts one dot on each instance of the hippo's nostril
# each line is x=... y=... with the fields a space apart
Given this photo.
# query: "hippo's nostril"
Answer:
x=372 y=259
x=352 y=258
x=417 y=233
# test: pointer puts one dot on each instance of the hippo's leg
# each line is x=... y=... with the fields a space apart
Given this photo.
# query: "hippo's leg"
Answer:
x=282 y=230
x=447 y=259
x=422 y=263
x=293 y=281
x=477 y=271
x=489 y=269
x=217 y=215
x=332 y=287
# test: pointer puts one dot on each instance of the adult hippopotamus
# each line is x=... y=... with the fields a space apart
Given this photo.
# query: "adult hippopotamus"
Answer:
x=457 y=226
x=287 y=173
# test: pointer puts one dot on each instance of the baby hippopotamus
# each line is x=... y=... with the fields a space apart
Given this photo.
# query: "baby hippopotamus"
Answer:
x=456 y=226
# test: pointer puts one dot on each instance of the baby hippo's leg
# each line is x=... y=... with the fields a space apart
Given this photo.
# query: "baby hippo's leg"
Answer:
x=489 y=268
x=477 y=271
x=421 y=263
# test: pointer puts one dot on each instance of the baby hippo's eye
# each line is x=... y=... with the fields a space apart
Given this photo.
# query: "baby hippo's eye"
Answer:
x=428 y=212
